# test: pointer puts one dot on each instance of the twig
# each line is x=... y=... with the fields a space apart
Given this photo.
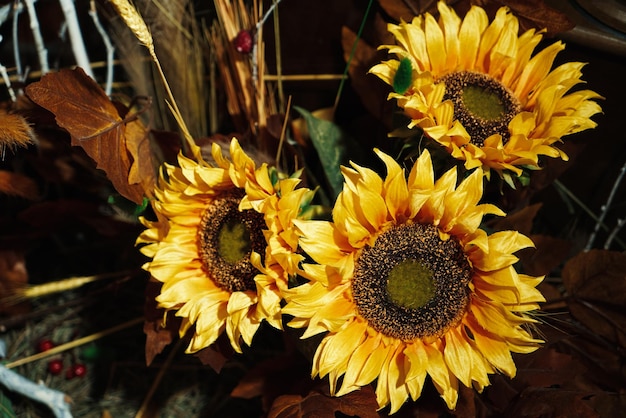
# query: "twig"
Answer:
x=279 y=66
x=17 y=9
x=304 y=77
x=42 y=52
x=7 y=81
x=605 y=207
x=613 y=234
x=73 y=344
x=157 y=380
x=283 y=132
x=55 y=400
x=76 y=37
x=564 y=190
x=107 y=44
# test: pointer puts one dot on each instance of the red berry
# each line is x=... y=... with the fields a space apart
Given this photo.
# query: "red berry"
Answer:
x=243 y=42
x=77 y=370
x=55 y=366
x=45 y=345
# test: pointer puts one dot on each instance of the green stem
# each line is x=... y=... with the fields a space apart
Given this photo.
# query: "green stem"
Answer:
x=356 y=42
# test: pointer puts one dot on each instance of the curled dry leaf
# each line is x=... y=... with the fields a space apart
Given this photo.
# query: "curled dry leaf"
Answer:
x=596 y=284
x=82 y=108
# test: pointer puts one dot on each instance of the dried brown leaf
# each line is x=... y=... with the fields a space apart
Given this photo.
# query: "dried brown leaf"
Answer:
x=520 y=221
x=596 y=284
x=552 y=402
x=361 y=403
x=157 y=336
x=14 y=131
x=407 y=9
x=549 y=253
x=212 y=357
x=82 y=108
x=269 y=378
x=15 y=184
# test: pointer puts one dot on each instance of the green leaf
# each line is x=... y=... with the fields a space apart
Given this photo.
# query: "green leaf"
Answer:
x=403 y=78
x=331 y=145
x=6 y=407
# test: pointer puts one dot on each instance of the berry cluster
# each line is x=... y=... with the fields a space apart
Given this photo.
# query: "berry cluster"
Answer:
x=56 y=366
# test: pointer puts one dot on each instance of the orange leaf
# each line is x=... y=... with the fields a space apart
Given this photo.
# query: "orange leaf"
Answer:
x=82 y=108
x=18 y=185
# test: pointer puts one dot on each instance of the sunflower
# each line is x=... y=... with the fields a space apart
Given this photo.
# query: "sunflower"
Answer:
x=214 y=243
x=406 y=284
x=476 y=88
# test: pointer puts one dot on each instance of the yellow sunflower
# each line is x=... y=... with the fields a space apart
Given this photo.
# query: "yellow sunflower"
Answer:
x=406 y=284
x=213 y=244
x=476 y=88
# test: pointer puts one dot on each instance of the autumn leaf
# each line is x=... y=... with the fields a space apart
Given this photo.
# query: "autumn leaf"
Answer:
x=596 y=284
x=548 y=254
x=157 y=336
x=520 y=220
x=82 y=108
x=551 y=402
x=15 y=184
x=361 y=403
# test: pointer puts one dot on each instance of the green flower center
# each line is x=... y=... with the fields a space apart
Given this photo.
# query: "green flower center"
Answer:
x=233 y=241
x=483 y=105
x=226 y=239
x=412 y=283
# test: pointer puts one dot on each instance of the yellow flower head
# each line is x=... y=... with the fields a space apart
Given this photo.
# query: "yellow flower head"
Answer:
x=407 y=285
x=221 y=244
x=476 y=88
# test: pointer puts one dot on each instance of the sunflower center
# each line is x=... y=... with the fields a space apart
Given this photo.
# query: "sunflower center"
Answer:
x=226 y=238
x=233 y=241
x=412 y=283
x=483 y=105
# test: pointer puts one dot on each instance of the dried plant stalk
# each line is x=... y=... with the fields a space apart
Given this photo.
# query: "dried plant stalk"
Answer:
x=138 y=26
